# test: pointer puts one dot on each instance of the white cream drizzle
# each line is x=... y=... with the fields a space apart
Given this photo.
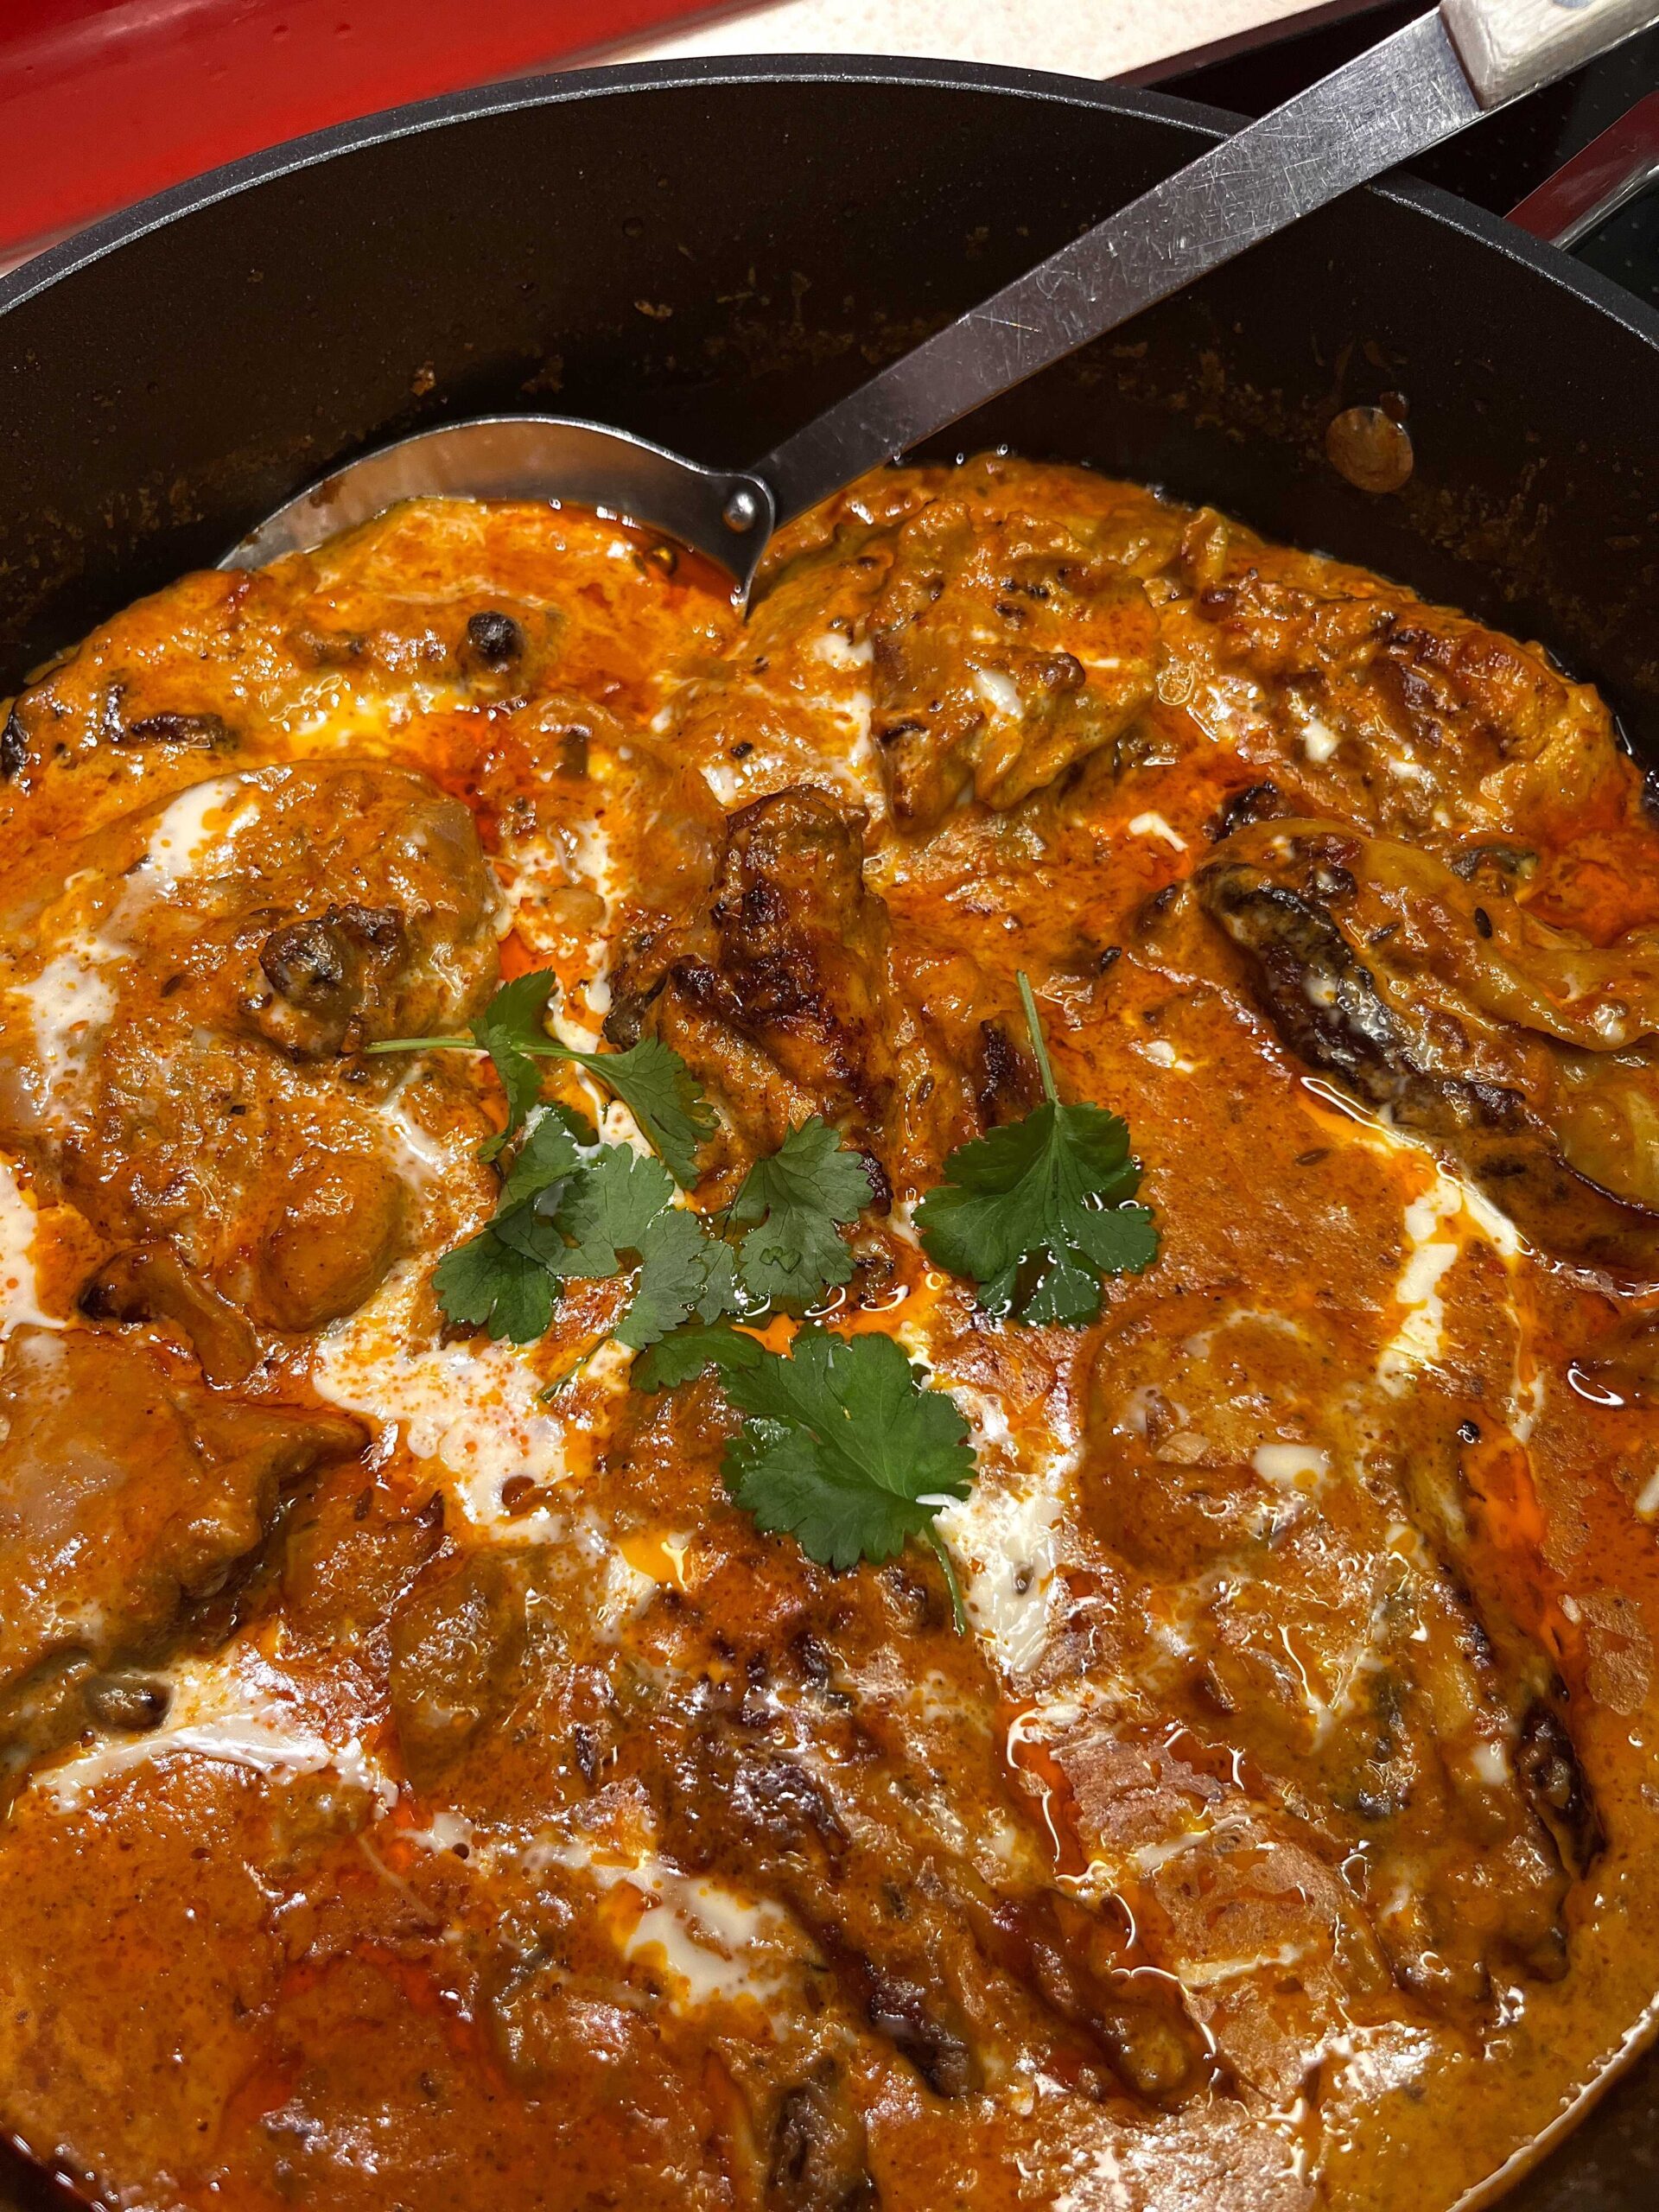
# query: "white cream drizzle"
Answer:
x=474 y=1408
x=67 y=1004
x=189 y=840
x=230 y=1711
x=19 y=1289
x=705 y=1941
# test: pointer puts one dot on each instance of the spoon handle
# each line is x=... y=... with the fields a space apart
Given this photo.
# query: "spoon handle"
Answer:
x=1389 y=104
x=1512 y=47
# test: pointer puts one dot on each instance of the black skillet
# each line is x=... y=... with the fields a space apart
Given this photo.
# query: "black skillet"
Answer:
x=709 y=253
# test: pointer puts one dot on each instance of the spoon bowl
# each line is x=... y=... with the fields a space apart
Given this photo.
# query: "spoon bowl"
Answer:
x=1433 y=78
x=727 y=514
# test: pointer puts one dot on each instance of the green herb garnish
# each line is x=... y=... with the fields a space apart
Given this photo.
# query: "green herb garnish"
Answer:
x=845 y=1448
x=490 y=1281
x=591 y=1212
x=696 y=1349
x=1036 y=1213
x=793 y=1204
x=652 y=1080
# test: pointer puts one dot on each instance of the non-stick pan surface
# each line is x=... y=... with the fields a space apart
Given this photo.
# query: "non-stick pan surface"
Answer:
x=708 y=253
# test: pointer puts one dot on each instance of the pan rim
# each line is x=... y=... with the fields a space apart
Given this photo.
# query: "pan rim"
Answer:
x=1201 y=123
x=58 y=264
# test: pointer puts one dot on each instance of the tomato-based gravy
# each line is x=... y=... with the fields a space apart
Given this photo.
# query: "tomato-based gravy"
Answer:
x=426 y=1782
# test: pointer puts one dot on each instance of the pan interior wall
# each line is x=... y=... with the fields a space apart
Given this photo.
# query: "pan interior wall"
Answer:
x=709 y=263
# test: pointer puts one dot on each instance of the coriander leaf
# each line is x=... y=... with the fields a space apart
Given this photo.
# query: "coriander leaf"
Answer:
x=613 y=1207
x=1037 y=1192
x=1120 y=1240
x=688 y=1353
x=799 y=1196
x=1046 y=1195
x=681 y=1271
x=650 y=1079
x=625 y=1203
x=485 y=1282
x=718 y=1295
x=517 y=1013
x=847 y=1449
x=537 y=1230
x=547 y=1156
x=509 y=1028
x=662 y=1095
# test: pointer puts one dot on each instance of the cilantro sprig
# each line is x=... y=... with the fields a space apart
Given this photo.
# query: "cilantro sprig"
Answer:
x=571 y=1208
x=650 y=1079
x=794 y=1204
x=574 y=1210
x=1038 y=1212
x=844 y=1444
x=490 y=1282
x=698 y=1349
x=846 y=1448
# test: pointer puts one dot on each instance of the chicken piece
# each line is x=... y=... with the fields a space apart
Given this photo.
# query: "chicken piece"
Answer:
x=1006 y=651
x=458 y=1643
x=433 y=604
x=494 y=1646
x=1317 y=1619
x=1522 y=1047
x=788 y=1002
x=1388 y=708
x=1236 y=1898
x=812 y=1781
x=818 y=2154
x=185 y=1009
x=969 y=1970
x=148 y=1282
x=108 y=1527
x=613 y=817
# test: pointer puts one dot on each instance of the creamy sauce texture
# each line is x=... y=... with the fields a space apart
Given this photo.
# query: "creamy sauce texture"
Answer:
x=425 y=1786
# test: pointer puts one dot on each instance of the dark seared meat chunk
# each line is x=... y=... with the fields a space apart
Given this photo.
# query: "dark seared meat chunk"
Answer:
x=339 y=904
x=818 y=2154
x=1433 y=994
x=109 y=1525
x=787 y=1001
x=1004 y=655
x=802 y=966
x=1326 y=1004
x=328 y=973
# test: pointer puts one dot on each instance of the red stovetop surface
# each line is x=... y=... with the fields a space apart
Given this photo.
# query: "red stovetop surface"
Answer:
x=101 y=101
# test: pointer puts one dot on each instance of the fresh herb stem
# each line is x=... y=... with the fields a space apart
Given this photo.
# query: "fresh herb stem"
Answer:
x=1035 y=1212
x=1037 y=1044
x=948 y=1568
x=567 y=1376
x=425 y=1045
x=551 y=1050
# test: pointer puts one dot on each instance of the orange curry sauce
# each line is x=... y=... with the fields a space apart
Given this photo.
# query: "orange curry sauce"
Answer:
x=425 y=1788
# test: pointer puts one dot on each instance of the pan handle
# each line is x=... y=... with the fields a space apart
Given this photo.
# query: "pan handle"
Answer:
x=1600 y=179
x=1512 y=47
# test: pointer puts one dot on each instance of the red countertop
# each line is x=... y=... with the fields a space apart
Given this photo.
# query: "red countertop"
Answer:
x=101 y=101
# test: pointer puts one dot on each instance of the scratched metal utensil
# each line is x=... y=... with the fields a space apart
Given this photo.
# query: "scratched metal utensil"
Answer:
x=1429 y=80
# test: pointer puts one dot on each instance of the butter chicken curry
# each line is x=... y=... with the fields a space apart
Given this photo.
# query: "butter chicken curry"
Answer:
x=860 y=1411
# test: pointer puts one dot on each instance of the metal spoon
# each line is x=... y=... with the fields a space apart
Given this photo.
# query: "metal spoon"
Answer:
x=1429 y=80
